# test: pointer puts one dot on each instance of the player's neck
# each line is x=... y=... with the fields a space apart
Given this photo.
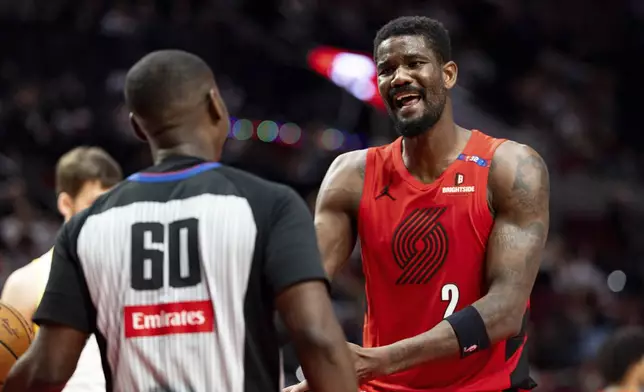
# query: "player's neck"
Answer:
x=426 y=156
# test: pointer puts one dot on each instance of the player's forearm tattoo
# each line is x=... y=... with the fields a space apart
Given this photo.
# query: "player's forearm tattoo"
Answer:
x=513 y=238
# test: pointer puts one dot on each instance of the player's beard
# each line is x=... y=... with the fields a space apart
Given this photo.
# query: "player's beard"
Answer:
x=434 y=104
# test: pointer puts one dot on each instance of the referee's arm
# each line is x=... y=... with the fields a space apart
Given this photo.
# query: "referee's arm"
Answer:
x=294 y=272
x=66 y=318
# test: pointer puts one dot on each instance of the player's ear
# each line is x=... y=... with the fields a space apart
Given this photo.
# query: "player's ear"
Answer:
x=65 y=205
x=450 y=74
x=137 y=128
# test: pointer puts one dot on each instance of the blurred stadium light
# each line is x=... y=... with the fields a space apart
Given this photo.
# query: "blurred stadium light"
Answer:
x=353 y=71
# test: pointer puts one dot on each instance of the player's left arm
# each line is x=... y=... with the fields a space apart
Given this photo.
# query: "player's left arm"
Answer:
x=520 y=188
x=66 y=317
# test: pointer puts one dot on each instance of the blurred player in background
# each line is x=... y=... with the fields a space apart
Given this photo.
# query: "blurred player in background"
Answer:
x=452 y=224
x=621 y=360
x=82 y=175
x=179 y=269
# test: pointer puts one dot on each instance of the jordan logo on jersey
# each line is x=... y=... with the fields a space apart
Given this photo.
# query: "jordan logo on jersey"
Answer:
x=420 y=245
x=169 y=319
x=385 y=192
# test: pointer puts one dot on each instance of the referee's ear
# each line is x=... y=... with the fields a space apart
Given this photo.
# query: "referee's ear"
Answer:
x=217 y=108
x=137 y=129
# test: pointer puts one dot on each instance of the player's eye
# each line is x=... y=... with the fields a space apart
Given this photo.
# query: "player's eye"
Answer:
x=385 y=71
x=414 y=64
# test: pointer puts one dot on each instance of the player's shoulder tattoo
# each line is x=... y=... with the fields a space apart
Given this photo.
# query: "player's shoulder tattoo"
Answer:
x=519 y=178
x=349 y=167
x=361 y=162
x=355 y=161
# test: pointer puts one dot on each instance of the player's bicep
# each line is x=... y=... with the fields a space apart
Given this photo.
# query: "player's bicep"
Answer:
x=521 y=197
x=10 y=290
x=335 y=212
x=66 y=300
x=291 y=254
x=16 y=294
x=335 y=236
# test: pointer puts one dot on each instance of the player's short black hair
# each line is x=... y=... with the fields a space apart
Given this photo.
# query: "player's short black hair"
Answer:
x=164 y=84
x=433 y=31
x=619 y=352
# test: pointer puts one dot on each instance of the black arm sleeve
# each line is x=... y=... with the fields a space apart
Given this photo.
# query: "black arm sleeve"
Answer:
x=292 y=254
x=67 y=300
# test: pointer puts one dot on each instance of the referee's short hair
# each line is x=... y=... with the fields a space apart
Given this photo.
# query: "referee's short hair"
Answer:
x=619 y=353
x=167 y=85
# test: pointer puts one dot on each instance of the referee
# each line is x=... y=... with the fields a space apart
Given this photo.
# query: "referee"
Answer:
x=179 y=269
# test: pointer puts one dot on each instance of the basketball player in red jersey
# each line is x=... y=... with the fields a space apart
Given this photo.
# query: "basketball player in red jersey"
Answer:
x=452 y=224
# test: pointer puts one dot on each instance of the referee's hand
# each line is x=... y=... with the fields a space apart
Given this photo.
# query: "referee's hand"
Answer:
x=301 y=387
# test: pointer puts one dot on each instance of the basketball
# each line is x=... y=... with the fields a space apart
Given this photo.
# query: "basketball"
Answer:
x=15 y=337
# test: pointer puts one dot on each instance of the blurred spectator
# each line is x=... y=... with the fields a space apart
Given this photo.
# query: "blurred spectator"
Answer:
x=621 y=360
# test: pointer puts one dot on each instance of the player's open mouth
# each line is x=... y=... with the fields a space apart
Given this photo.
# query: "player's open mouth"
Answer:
x=405 y=100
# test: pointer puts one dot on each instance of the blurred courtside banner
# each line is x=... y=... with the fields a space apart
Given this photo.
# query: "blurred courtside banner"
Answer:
x=353 y=71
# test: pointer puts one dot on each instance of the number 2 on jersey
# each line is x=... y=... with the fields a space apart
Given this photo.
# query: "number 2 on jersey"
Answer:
x=449 y=292
x=148 y=254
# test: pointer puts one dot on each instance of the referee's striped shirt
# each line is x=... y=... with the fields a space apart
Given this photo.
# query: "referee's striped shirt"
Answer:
x=175 y=271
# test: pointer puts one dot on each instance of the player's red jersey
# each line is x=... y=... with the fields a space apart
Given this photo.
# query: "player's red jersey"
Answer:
x=423 y=252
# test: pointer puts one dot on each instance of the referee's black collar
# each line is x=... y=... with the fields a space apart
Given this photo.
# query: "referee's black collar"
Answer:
x=175 y=162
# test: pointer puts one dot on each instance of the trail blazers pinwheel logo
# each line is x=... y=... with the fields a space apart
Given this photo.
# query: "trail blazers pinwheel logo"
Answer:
x=420 y=245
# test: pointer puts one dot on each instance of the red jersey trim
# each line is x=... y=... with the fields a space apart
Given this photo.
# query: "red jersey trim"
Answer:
x=484 y=147
x=479 y=144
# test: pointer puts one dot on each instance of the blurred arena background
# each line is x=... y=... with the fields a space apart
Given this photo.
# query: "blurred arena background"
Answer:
x=564 y=76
